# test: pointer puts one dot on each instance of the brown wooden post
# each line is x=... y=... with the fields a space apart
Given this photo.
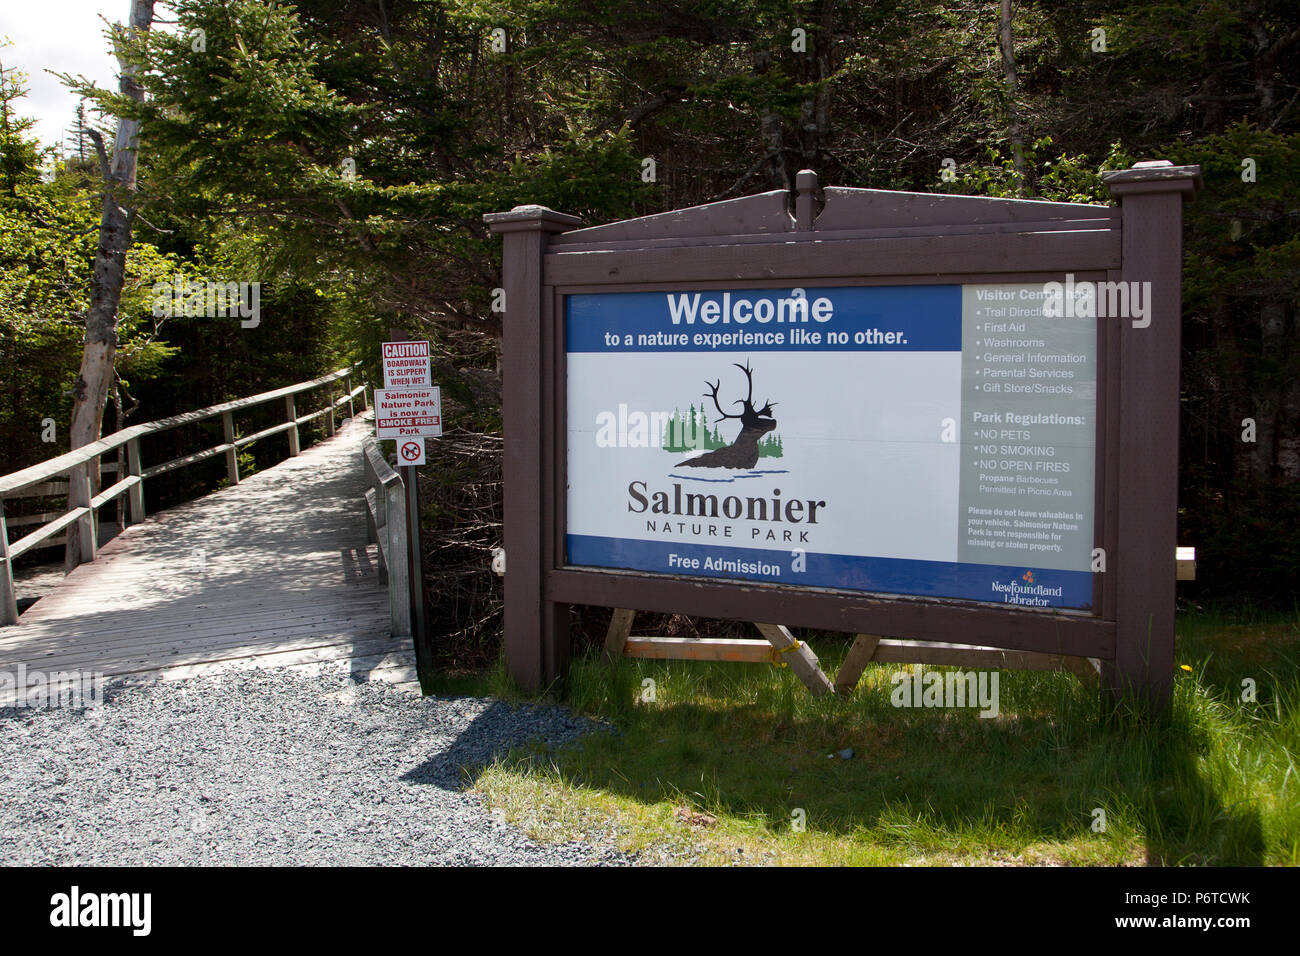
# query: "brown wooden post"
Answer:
x=347 y=384
x=232 y=453
x=136 y=494
x=536 y=629
x=291 y=415
x=1151 y=197
x=329 y=419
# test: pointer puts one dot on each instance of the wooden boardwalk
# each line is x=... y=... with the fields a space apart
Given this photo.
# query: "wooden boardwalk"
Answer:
x=272 y=572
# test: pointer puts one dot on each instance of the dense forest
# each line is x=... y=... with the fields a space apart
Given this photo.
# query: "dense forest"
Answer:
x=341 y=153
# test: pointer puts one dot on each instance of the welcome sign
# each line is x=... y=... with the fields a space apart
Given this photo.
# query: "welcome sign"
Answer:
x=930 y=440
x=947 y=425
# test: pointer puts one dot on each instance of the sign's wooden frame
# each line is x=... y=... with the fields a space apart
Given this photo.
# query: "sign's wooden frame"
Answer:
x=863 y=237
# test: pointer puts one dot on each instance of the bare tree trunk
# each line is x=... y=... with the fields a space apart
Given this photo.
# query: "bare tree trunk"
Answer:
x=1278 y=454
x=1005 y=41
x=90 y=391
x=814 y=120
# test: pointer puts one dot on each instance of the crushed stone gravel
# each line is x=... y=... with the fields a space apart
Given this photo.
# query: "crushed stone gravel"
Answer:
x=270 y=768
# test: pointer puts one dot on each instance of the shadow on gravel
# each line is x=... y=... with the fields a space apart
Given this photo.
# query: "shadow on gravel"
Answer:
x=493 y=733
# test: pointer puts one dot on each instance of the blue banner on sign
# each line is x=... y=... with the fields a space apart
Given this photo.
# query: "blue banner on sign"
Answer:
x=1012 y=585
x=840 y=319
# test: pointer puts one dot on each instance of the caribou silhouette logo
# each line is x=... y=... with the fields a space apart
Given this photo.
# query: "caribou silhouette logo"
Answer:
x=754 y=424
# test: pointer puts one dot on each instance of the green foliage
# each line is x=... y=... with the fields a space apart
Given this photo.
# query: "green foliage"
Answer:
x=48 y=232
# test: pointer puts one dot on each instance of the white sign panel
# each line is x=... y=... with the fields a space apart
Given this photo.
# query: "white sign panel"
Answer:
x=408 y=412
x=406 y=365
x=410 y=451
x=926 y=440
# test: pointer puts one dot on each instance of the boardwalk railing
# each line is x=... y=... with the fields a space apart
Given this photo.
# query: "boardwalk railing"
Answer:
x=386 y=523
x=80 y=464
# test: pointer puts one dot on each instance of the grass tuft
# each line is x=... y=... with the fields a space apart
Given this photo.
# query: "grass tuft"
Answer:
x=736 y=763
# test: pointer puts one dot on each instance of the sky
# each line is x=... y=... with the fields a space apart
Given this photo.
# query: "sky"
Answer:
x=63 y=35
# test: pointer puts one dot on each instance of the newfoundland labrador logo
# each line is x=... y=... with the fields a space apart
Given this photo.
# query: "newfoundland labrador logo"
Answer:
x=1025 y=591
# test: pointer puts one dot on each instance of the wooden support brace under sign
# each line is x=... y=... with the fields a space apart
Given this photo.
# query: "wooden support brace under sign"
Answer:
x=860 y=654
x=869 y=649
x=620 y=626
x=780 y=647
x=800 y=656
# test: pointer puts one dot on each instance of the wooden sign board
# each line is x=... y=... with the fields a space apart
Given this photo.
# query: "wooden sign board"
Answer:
x=406 y=365
x=924 y=417
x=408 y=413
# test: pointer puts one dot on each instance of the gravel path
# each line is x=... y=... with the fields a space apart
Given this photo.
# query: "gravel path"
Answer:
x=268 y=768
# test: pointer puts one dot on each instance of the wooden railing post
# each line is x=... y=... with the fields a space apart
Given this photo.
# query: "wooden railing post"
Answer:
x=291 y=414
x=136 y=494
x=8 y=603
x=84 y=543
x=329 y=418
x=347 y=383
x=399 y=584
x=232 y=453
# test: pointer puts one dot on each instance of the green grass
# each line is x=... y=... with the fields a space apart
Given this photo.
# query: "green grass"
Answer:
x=729 y=754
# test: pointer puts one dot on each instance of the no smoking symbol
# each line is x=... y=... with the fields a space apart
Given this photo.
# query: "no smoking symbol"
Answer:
x=413 y=452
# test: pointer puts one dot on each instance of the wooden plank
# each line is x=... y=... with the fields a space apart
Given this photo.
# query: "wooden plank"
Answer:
x=25 y=521
x=620 y=626
x=114 y=491
x=47 y=489
x=213 y=633
x=850 y=208
x=1075 y=250
x=27 y=542
x=322 y=655
x=264 y=433
x=887 y=232
x=799 y=656
x=964 y=655
x=390 y=668
x=1075 y=633
x=762 y=213
x=131 y=659
x=864 y=646
x=699 y=649
x=187 y=460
